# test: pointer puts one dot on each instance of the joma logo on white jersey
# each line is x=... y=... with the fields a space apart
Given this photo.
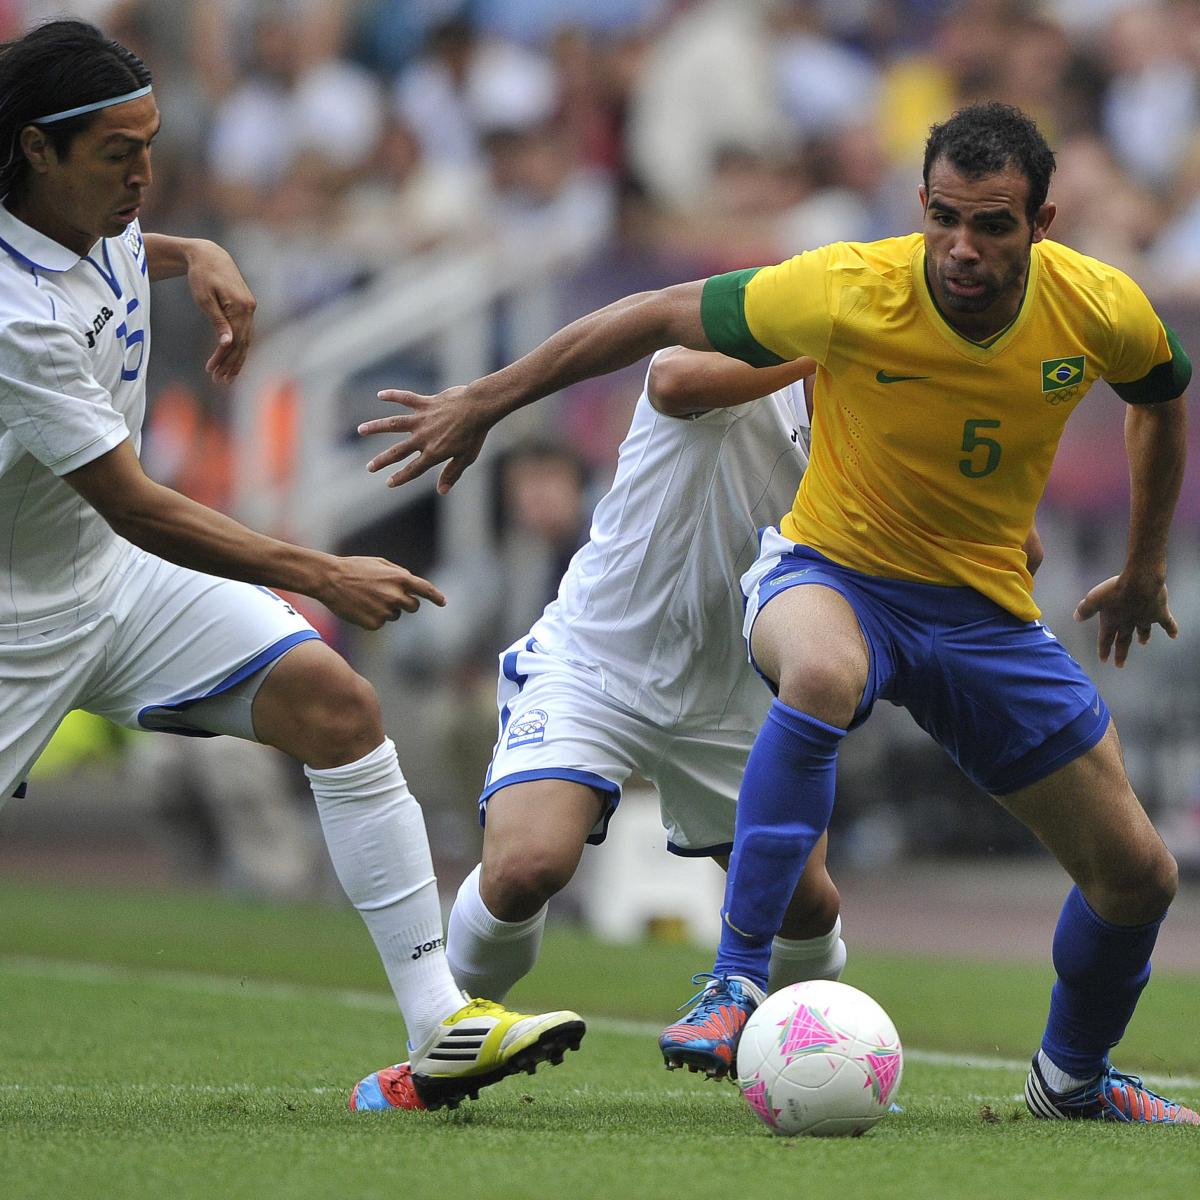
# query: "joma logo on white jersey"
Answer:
x=99 y=321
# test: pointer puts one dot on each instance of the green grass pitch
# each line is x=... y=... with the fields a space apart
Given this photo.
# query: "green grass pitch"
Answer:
x=188 y=1046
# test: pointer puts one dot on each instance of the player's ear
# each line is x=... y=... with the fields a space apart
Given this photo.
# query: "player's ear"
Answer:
x=922 y=196
x=36 y=147
x=1042 y=219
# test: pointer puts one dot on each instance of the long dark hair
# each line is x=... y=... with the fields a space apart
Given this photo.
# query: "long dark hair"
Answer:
x=54 y=67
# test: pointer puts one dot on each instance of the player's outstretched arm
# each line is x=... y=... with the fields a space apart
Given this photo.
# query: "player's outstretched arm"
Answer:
x=451 y=426
x=365 y=591
x=1136 y=600
x=686 y=382
x=218 y=289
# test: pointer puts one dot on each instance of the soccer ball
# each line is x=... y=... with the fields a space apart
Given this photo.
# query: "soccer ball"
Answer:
x=819 y=1058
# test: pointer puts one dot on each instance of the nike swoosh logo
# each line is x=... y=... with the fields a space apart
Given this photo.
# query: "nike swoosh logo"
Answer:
x=884 y=377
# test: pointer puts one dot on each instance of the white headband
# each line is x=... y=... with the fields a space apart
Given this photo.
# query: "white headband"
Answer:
x=86 y=108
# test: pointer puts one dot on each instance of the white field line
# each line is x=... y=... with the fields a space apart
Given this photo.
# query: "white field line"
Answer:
x=259 y=989
x=190 y=1089
x=680 y=1095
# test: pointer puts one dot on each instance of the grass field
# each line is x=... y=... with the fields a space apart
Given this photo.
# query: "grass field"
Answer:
x=192 y=1046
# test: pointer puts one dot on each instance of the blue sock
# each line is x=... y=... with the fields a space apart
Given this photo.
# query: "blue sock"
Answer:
x=1102 y=969
x=784 y=805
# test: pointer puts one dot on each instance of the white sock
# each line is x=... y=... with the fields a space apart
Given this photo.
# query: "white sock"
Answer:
x=813 y=958
x=487 y=955
x=377 y=841
x=1057 y=1080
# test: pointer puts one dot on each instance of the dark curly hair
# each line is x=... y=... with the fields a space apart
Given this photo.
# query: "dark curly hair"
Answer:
x=983 y=139
x=54 y=67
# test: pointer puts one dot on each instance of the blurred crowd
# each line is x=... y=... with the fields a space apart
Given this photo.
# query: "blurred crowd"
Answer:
x=324 y=141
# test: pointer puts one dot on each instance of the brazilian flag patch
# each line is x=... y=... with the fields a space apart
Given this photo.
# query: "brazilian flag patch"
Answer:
x=1060 y=373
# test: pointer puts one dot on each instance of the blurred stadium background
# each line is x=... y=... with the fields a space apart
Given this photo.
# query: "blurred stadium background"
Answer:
x=420 y=190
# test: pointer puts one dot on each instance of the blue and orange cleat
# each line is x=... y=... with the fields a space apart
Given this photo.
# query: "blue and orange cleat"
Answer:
x=1111 y=1096
x=391 y=1087
x=706 y=1039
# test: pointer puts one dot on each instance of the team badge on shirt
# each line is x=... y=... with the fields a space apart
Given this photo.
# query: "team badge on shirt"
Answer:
x=132 y=238
x=528 y=729
x=1059 y=373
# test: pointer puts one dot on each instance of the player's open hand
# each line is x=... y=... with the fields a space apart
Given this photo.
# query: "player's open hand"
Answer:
x=449 y=427
x=221 y=293
x=370 y=591
x=1127 y=607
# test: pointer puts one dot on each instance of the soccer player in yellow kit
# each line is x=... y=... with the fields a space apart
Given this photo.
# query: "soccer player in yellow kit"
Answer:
x=949 y=362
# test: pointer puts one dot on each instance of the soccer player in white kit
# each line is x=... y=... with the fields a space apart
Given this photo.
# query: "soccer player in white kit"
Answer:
x=637 y=666
x=127 y=599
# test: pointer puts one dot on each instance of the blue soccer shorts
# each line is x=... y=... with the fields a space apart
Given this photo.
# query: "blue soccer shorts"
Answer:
x=1000 y=695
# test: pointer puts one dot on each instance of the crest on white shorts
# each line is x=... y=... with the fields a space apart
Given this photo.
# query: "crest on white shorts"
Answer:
x=527 y=729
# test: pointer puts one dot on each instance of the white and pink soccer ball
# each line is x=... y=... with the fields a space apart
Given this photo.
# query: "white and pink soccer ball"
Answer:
x=819 y=1058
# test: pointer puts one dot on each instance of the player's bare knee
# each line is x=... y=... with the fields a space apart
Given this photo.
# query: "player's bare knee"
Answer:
x=515 y=884
x=1135 y=888
x=823 y=688
x=1163 y=880
x=340 y=720
x=316 y=708
x=812 y=910
x=350 y=716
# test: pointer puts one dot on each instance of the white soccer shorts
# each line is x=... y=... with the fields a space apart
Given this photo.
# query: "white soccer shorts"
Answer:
x=556 y=722
x=161 y=639
x=772 y=545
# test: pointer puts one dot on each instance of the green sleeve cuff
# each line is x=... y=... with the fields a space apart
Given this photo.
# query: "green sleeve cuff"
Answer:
x=723 y=314
x=1166 y=381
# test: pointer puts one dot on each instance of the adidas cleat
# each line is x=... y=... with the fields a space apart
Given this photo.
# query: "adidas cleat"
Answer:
x=480 y=1044
x=706 y=1039
x=392 y=1087
x=1111 y=1096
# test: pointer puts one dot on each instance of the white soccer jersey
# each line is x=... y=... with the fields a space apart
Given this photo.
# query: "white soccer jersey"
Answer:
x=74 y=339
x=651 y=603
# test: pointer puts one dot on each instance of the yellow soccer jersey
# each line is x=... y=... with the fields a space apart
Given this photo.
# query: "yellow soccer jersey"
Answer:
x=929 y=451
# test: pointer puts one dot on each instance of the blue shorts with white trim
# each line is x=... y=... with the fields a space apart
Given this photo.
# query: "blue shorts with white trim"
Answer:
x=1000 y=695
